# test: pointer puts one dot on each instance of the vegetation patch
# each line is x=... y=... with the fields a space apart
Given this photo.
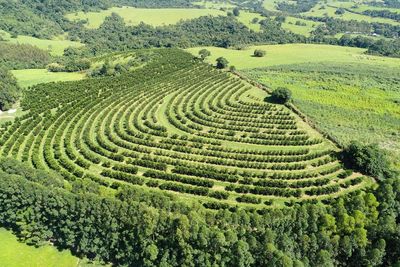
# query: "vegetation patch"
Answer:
x=294 y=54
x=134 y=16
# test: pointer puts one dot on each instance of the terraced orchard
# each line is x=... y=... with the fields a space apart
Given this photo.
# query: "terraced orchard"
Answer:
x=181 y=126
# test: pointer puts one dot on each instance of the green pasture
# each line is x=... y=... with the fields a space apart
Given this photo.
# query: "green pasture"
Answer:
x=290 y=25
x=55 y=47
x=30 y=77
x=215 y=5
x=322 y=10
x=154 y=17
x=246 y=18
x=16 y=254
x=344 y=101
x=294 y=54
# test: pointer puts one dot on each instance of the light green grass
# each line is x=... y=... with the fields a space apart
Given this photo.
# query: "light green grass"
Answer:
x=55 y=47
x=290 y=25
x=344 y=101
x=154 y=17
x=16 y=254
x=330 y=12
x=30 y=77
x=271 y=5
x=215 y=5
x=360 y=7
x=296 y=53
x=246 y=18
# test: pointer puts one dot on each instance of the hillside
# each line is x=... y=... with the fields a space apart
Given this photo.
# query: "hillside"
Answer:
x=143 y=133
x=170 y=132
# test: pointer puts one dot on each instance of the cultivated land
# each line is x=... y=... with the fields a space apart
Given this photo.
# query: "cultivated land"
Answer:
x=55 y=47
x=16 y=254
x=348 y=101
x=295 y=54
x=210 y=137
x=134 y=16
x=334 y=86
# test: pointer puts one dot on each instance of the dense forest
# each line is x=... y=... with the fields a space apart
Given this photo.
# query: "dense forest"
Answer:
x=148 y=229
x=9 y=90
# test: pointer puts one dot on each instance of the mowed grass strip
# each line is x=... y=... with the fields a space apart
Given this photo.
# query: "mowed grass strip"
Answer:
x=295 y=54
x=30 y=77
x=154 y=17
x=16 y=254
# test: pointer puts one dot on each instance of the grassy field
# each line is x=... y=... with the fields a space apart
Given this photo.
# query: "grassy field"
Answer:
x=322 y=10
x=247 y=17
x=134 y=16
x=55 y=47
x=296 y=53
x=30 y=77
x=337 y=96
x=16 y=254
x=290 y=25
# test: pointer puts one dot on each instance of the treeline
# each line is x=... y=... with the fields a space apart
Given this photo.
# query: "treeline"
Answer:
x=299 y=6
x=45 y=19
x=334 y=26
x=22 y=56
x=114 y=35
x=152 y=229
x=382 y=14
x=9 y=90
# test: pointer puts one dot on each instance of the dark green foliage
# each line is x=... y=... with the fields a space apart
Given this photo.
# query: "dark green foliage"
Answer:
x=236 y=11
x=70 y=66
x=9 y=90
x=368 y=159
x=17 y=56
x=299 y=7
x=204 y=53
x=382 y=47
x=222 y=63
x=340 y=11
x=356 y=230
x=281 y=95
x=259 y=53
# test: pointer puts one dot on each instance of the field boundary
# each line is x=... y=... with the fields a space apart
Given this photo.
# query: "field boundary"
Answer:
x=292 y=107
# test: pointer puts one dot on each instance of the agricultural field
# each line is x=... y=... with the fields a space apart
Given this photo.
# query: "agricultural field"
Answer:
x=295 y=54
x=16 y=254
x=337 y=97
x=211 y=138
x=323 y=10
x=246 y=18
x=30 y=77
x=334 y=86
x=55 y=47
x=303 y=26
x=134 y=16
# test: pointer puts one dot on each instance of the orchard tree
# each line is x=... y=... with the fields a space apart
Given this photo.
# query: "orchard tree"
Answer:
x=204 y=53
x=222 y=63
x=281 y=95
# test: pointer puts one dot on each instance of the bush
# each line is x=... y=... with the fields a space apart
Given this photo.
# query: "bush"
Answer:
x=222 y=63
x=259 y=53
x=281 y=95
